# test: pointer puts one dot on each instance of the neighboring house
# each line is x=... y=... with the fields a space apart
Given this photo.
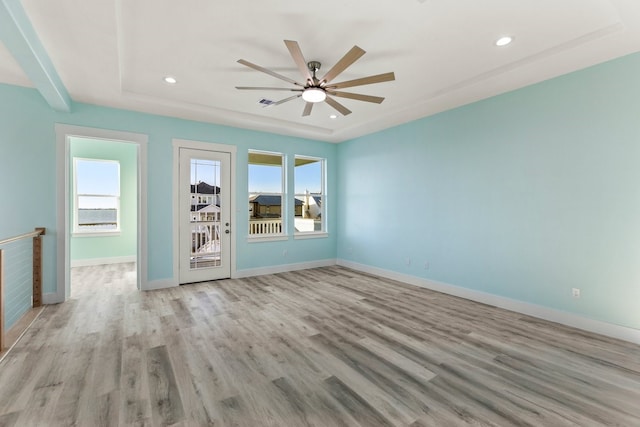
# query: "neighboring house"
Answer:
x=203 y=195
x=268 y=206
x=206 y=213
x=205 y=207
x=312 y=206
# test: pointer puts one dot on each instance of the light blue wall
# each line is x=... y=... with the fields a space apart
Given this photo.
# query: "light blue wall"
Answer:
x=109 y=246
x=27 y=171
x=523 y=195
x=27 y=159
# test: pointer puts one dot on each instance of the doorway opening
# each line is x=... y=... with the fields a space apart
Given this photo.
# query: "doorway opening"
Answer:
x=103 y=204
x=101 y=222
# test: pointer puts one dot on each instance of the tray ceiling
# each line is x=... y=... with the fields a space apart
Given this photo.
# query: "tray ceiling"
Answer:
x=443 y=53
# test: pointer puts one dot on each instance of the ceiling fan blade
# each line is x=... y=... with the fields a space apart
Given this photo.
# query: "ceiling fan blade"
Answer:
x=357 y=96
x=352 y=56
x=267 y=88
x=307 y=109
x=282 y=101
x=386 y=77
x=271 y=73
x=298 y=58
x=335 y=104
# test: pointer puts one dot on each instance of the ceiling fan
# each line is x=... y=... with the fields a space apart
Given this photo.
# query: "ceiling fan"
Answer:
x=321 y=89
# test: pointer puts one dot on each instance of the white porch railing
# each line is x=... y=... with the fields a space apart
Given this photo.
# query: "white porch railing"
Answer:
x=265 y=226
x=204 y=236
x=205 y=244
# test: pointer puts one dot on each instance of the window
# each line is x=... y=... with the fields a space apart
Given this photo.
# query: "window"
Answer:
x=310 y=197
x=96 y=189
x=266 y=201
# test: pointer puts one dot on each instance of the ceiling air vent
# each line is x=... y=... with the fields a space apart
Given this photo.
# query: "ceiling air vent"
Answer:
x=266 y=102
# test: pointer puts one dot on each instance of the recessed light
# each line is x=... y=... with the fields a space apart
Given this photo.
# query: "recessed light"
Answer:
x=170 y=80
x=503 y=41
x=333 y=116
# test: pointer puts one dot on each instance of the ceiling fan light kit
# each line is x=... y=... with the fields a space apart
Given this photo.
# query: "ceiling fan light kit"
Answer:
x=314 y=94
x=316 y=90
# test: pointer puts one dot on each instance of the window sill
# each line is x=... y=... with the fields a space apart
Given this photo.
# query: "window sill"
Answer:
x=316 y=235
x=97 y=234
x=267 y=238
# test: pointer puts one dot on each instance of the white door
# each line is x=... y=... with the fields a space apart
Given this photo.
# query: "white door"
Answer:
x=204 y=215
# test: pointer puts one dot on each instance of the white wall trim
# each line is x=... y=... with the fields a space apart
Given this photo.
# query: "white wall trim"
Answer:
x=63 y=133
x=545 y=313
x=249 y=272
x=102 y=261
x=206 y=146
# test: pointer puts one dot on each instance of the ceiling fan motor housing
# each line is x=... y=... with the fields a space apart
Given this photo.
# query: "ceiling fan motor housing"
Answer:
x=313 y=66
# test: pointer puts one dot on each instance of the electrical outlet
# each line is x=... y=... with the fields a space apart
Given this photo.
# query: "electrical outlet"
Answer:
x=575 y=292
x=285 y=252
x=426 y=265
x=407 y=261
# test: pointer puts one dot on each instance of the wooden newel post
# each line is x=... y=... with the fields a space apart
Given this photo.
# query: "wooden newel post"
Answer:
x=37 y=267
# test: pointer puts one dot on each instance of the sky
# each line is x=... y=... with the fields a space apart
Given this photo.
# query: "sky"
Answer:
x=268 y=179
x=205 y=171
x=97 y=177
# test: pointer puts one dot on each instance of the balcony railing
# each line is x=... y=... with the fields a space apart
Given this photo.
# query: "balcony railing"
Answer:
x=274 y=226
x=265 y=226
x=36 y=278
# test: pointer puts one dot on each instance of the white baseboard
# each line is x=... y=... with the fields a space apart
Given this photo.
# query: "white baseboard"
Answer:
x=52 y=298
x=569 y=319
x=102 y=261
x=153 y=285
x=249 y=272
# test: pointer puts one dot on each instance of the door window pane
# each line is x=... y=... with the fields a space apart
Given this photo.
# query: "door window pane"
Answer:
x=205 y=213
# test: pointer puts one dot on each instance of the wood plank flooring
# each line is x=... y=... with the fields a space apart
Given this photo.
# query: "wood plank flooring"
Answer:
x=13 y=334
x=321 y=347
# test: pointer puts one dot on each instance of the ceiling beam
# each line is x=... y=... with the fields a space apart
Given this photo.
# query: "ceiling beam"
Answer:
x=18 y=35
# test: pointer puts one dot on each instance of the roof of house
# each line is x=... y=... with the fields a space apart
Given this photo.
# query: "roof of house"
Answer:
x=204 y=188
x=200 y=206
x=316 y=197
x=267 y=200
x=209 y=208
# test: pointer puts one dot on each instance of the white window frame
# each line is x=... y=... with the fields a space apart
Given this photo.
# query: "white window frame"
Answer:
x=283 y=199
x=323 y=197
x=77 y=231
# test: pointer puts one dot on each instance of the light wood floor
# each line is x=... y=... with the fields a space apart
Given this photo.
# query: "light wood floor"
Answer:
x=321 y=347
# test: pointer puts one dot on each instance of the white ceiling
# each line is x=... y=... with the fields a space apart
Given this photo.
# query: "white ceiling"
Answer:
x=116 y=53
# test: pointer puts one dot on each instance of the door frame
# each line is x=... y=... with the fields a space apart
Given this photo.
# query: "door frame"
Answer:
x=203 y=146
x=63 y=134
